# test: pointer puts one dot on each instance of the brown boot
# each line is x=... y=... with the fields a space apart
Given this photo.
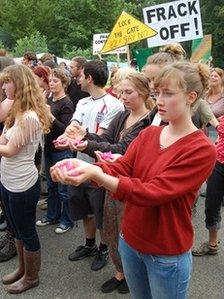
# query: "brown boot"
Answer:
x=18 y=273
x=30 y=278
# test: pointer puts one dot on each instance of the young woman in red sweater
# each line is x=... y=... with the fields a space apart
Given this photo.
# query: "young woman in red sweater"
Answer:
x=158 y=179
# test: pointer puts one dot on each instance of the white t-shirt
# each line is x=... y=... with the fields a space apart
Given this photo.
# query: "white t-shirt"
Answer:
x=94 y=114
x=156 y=120
x=19 y=173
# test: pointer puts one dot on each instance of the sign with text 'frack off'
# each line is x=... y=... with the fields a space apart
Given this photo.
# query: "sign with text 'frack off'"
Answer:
x=127 y=30
x=175 y=21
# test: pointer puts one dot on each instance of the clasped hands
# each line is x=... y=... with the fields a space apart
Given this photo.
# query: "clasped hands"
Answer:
x=75 y=172
x=72 y=138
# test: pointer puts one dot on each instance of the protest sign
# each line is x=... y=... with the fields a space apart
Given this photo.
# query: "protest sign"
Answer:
x=99 y=41
x=127 y=30
x=201 y=49
x=175 y=21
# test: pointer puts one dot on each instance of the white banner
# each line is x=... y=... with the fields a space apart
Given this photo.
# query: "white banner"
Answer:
x=175 y=21
x=99 y=41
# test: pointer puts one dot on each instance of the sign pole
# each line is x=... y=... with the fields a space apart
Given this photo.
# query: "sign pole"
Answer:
x=128 y=55
x=118 y=59
x=99 y=55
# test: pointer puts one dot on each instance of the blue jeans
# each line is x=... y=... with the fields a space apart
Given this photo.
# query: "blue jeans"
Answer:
x=20 y=208
x=57 y=200
x=156 y=277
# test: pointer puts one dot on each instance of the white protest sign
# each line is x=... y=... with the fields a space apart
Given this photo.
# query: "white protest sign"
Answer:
x=175 y=21
x=98 y=42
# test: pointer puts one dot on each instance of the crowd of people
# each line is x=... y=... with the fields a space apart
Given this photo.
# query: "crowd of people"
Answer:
x=127 y=159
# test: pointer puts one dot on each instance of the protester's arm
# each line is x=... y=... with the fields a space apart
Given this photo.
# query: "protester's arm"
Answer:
x=183 y=176
x=3 y=140
x=87 y=171
x=5 y=106
x=206 y=114
x=119 y=147
x=65 y=113
x=29 y=132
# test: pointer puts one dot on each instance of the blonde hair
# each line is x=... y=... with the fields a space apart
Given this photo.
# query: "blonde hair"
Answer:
x=27 y=96
x=121 y=74
x=4 y=62
x=168 y=54
x=140 y=83
x=46 y=56
x=188 y=77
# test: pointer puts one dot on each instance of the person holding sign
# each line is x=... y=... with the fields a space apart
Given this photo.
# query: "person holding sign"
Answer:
x=158 y=179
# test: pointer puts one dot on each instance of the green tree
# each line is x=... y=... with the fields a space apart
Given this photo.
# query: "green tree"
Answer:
x=24 y=17
x=2 y=46
x=35 y=43
x=213 y=23
x=73 y=22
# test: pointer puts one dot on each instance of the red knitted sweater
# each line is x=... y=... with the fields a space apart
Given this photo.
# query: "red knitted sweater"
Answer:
x=159 y=187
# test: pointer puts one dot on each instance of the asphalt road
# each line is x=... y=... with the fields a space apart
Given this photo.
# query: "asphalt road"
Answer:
x=62 y=279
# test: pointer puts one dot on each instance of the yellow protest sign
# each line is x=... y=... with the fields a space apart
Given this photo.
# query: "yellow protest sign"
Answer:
x=127 y=30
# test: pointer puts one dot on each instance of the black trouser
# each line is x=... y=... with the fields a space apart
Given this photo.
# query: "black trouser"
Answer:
x=214 y=197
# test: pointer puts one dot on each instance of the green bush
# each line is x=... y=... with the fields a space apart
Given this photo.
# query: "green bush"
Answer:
x=34 y=43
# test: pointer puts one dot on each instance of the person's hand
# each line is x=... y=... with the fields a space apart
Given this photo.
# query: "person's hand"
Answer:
x=101 y=157
x=78 y=145
x=77 y=174
x=75 y=131
x=61 y=142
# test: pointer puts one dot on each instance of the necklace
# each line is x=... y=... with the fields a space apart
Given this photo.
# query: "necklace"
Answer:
x=55 y=100
x=126 y=129
x=135 y=122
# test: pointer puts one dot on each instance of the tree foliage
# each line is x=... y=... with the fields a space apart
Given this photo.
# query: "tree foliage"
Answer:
x=69 y=24
x=34 y=43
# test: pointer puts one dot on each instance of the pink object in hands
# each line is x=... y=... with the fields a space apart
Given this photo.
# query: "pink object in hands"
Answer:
x=59 y=142
x=73 y=173
x=70 y=168
x=107 y=156
x=69 y=165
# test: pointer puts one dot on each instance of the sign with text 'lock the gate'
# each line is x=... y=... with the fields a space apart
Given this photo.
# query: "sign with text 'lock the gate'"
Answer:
x=175 y=21
x=127 y=30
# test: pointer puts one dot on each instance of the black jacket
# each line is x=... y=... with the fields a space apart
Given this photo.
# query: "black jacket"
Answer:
x=110 y=140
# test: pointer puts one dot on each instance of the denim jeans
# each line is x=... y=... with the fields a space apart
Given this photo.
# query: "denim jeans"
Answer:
x=156 y=277
x=57 y=200
x=20 y=209
x=214 y=197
